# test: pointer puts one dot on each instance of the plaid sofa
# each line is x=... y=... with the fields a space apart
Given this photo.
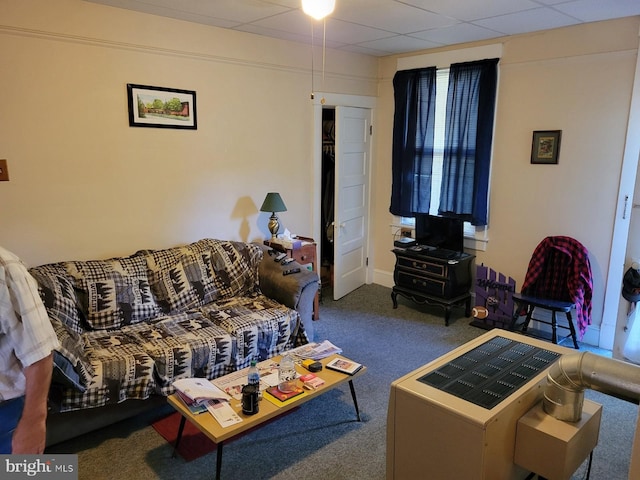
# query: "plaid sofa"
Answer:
x=130 y=326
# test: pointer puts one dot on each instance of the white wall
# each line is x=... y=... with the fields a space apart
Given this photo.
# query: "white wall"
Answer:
x=83 y=184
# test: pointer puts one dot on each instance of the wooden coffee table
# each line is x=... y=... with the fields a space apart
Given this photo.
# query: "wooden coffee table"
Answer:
x=208 y=425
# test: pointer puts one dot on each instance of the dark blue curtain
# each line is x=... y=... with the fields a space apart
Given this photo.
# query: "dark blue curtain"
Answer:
x=468 y=136
x=412 y=154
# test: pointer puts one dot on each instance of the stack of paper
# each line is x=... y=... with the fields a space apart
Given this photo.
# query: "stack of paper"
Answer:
x=199 y=390
x=316 y=351
x=200 y=395
x=232 y=383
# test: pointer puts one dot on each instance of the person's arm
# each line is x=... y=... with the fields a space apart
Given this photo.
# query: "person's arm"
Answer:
x=30 y=434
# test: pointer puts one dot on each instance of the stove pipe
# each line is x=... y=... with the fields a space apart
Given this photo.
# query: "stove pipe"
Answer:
x=572 y=373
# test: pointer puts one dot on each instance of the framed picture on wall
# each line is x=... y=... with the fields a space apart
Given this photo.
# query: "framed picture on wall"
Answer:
x=161 y=107
x=545 y=146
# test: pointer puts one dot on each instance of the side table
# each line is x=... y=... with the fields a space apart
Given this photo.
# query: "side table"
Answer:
x=433 y=276
x=306 y=253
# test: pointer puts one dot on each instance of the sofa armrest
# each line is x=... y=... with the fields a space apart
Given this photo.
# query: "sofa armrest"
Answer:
x=285 y=289
x=295 y=291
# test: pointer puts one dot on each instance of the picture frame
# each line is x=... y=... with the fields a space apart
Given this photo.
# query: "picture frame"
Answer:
x=545 y=147
x=161 y=107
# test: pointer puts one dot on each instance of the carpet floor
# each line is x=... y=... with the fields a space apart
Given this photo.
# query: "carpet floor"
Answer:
x=193 y=443
x=321 y=440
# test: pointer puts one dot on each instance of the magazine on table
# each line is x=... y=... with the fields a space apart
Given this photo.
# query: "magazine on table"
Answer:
x=194 y=408
x=316 y=351
x=232 y=383
x=343 y=365
x=200 y=395
x=223 y=413
x=199 y=390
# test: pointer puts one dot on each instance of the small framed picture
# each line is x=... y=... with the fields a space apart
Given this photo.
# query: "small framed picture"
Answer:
x=161 y=107
x=545 y=146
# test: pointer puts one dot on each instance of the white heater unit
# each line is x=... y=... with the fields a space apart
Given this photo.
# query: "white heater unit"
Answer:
x=456 y=418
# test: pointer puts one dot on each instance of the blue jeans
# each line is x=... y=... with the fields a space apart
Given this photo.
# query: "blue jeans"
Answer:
x=10 y=412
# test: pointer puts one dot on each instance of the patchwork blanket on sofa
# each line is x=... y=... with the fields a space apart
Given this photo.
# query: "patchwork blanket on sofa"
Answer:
x=130 y=326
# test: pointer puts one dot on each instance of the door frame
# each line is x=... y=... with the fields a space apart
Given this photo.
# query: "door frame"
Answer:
x=320 y=100
x=613 y=310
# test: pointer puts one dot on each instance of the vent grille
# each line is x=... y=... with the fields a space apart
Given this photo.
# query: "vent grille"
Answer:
x=491 y=372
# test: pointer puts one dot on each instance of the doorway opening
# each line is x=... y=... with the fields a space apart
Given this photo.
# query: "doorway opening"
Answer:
x=327 y=207
x=349 y=119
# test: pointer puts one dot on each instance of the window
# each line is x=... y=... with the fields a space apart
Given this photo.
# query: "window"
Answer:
x=442 y=85
x=443 y=129
x=475 y=237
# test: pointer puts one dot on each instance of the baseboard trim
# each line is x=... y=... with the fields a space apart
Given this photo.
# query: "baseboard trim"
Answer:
x=383 y=277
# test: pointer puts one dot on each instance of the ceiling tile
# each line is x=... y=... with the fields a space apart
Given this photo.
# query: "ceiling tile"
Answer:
x=595 y=10
x=473 y=10
x=268 y=32
x=293 y=21
x=459 y=33
x=352 y=33
x=399 y=44
x=527 y=21
x=364 y=50
x=228 y=12
x=551 y=2
x=389 y=16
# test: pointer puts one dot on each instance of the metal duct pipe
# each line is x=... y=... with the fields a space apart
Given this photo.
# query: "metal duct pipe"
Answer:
x=572 y=373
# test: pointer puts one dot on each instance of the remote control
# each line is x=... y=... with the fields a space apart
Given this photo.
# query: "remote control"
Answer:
x=279 y=257
x=286 y=261
x=290 y=271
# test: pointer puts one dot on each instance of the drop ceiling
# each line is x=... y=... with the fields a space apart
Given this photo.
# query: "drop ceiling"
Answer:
x=384 y=27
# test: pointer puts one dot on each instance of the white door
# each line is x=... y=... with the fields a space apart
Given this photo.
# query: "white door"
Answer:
x=351 y=199
x=615 y=315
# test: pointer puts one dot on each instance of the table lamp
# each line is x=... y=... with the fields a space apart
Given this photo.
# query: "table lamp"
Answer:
x=273 y=203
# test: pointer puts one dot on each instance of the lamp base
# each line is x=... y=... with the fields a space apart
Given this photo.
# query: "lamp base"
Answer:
x=273 y=225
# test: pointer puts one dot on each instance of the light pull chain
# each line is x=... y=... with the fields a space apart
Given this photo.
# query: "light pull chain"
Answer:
x=324 y=51
x=324 y=57
x=324 y=47
x=312 y=70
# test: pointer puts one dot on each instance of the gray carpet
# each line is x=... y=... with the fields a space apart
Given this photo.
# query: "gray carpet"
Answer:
x=322 y=440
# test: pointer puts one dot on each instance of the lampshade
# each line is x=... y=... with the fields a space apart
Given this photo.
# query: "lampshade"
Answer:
x=318 y=9
x=273 y=203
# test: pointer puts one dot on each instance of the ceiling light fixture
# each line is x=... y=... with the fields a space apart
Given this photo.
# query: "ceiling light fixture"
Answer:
x=318 y=9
